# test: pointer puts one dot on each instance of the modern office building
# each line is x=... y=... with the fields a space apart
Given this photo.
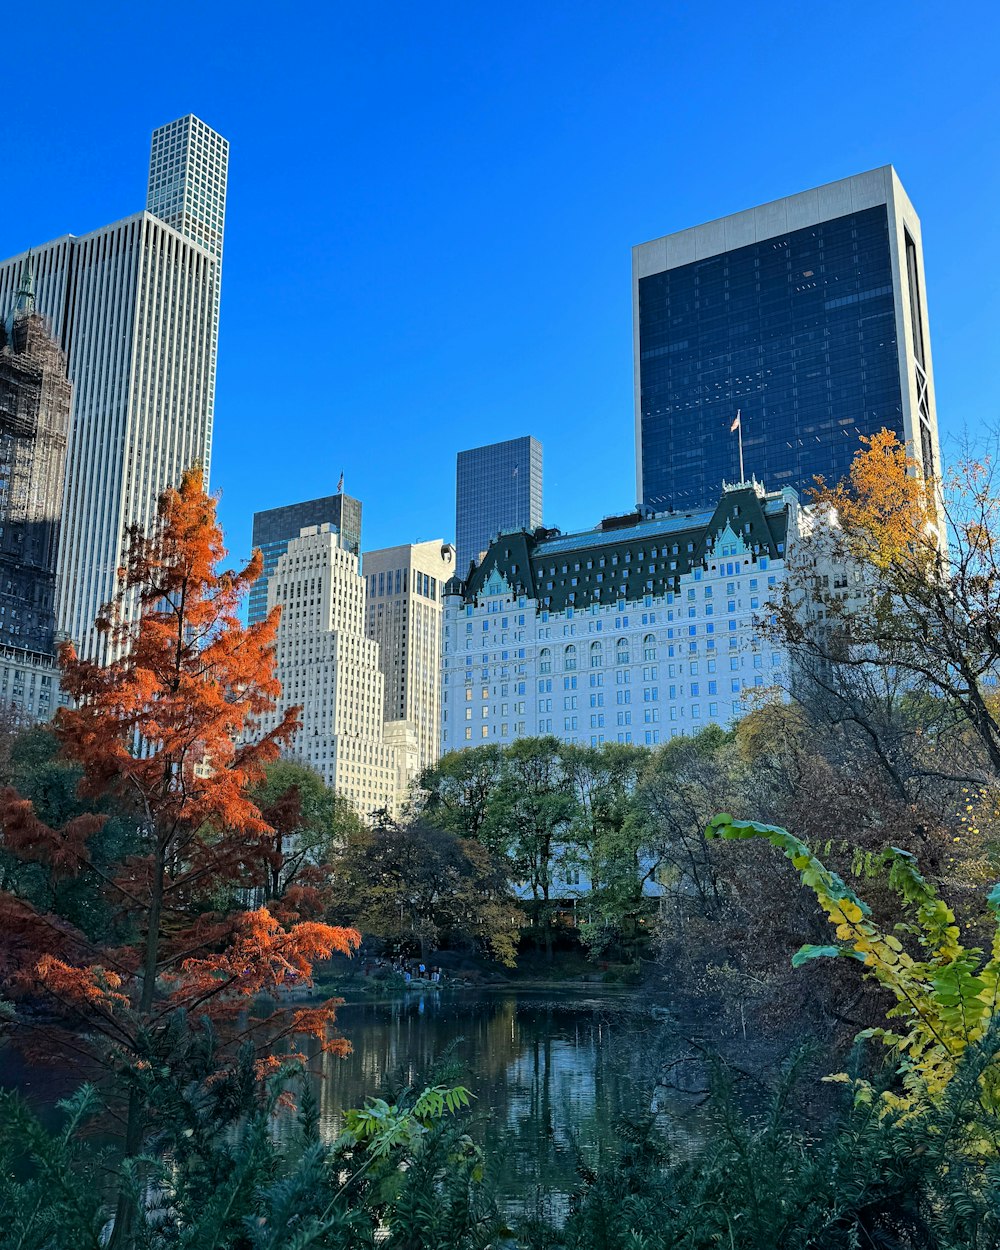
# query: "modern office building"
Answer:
x=497 y=487
x=330 y=669
x=405 y=588
x=274 y=529
x=806 y=316
x=135 y=308
x=35 y=398
x=636 y=631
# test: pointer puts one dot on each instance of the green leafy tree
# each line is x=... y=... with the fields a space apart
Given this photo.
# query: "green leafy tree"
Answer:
x=460 y=788
x=308 y=824
x=529 y=821
x=418 y=887
x=610 y=845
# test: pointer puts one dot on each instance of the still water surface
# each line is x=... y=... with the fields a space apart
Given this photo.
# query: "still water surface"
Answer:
x=553 y=1073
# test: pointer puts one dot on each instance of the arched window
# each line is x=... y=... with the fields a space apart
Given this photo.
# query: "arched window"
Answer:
x=545 y=660
x=649 y=647
x=596 y=654
x=570 y=657
x=621 y=651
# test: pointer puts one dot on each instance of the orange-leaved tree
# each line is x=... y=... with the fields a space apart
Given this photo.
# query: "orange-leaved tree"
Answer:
x=172 y=728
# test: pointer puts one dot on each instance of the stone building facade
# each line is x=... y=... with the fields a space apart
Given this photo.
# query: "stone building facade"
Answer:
x=405 y=591
x=646 y=627
x=330 y=669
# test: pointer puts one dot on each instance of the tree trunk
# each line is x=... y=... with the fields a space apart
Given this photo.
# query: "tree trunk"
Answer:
x=123 y=1233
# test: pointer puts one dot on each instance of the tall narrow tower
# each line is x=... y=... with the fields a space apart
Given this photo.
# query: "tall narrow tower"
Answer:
x=135 y=307
x=188 y=169
x=497 y=487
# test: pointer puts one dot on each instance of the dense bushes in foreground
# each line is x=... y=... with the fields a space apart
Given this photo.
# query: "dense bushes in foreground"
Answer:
x=410 y=1177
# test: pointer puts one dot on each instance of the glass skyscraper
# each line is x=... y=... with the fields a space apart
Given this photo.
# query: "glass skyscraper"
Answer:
x=805 y=316
x=274 y=529
x=497 y=487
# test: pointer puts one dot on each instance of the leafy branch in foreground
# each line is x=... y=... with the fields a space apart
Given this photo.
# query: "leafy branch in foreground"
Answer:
x=946 y=998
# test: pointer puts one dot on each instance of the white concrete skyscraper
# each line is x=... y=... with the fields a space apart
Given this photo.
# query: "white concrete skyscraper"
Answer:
x=135 y=307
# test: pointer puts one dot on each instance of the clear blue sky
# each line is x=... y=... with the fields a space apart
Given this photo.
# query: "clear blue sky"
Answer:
x=431 y=207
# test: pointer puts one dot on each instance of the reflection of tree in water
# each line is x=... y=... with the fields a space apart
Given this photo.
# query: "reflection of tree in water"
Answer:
x=581 y=1068
x=552 y=1076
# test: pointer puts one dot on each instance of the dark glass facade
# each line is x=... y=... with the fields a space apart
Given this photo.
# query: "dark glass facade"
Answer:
x=798 y=333
x=274 y=529
x=498 y=487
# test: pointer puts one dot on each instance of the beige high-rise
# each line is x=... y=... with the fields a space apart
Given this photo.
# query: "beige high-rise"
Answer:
x=330 y=669
x=405 y=595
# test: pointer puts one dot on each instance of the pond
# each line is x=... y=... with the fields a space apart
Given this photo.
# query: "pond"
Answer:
x=553 y=1073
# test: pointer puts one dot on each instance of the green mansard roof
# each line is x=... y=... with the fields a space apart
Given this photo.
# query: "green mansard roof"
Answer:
x=524 y=563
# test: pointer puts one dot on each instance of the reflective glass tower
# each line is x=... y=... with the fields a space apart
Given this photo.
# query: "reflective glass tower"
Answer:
x=806 y=316
x=497 y=487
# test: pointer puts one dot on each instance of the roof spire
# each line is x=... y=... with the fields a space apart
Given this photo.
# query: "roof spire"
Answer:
x=26 y=292
x=24 y=302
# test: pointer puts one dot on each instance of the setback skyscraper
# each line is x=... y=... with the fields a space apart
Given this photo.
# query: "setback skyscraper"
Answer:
x=274 y=529
x=135 y=307
x=35 y=398
x=330 y=669
x=497 y=487
x=806 y=316
x=405 y=593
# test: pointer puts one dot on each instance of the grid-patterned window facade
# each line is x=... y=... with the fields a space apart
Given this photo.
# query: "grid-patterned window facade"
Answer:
x=797 y=332
x=497 y=487
x=188 y=169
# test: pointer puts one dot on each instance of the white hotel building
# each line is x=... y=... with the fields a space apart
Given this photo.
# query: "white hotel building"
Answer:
x=135 y=307
x=634 y=632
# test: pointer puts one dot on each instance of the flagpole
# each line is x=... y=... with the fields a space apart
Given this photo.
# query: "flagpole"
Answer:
x=737 y=428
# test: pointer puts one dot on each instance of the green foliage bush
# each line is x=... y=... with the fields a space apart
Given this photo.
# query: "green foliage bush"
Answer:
x=228 y=1175
x=864 y=1181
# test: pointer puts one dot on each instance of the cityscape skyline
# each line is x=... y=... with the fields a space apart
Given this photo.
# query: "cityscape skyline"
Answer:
x=551 y=335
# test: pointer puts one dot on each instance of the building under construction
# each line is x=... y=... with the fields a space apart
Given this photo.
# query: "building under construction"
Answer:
x=35 y=396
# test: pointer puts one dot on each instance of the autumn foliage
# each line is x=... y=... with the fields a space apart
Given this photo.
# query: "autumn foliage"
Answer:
x=169 y=730
x=885 y=506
